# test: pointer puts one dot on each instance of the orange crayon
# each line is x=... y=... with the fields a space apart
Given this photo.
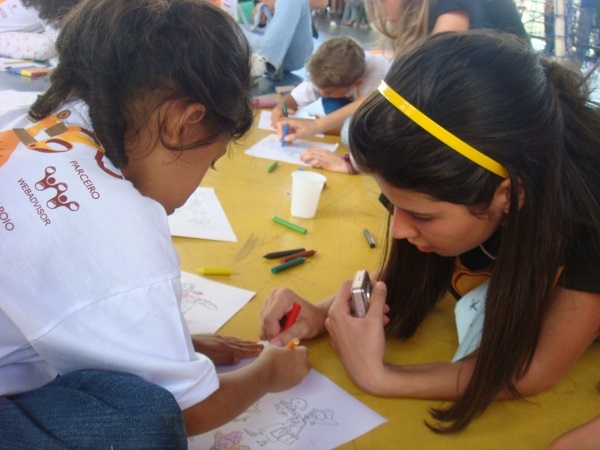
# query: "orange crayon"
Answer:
x=293 y=343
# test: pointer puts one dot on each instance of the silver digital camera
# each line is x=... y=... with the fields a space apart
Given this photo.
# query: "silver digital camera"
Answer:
x=361 y=293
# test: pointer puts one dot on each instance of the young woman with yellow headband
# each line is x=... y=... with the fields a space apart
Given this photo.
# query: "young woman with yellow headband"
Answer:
x=489 y=155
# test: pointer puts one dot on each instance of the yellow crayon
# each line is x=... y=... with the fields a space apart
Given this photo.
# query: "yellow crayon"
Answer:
x=214 y=271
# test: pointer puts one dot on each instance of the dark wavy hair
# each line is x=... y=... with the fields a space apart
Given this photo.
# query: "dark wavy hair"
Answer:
x=116 y=54
x=530 y=114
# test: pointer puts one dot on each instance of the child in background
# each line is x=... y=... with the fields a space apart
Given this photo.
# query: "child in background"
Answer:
x=489 y=156
x=340 y=72
x=94 y=350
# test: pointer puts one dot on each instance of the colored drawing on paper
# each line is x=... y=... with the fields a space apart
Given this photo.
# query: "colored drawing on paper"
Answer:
x=207 y=305
x=270 y=148
x=191 y=298
x=229 y=441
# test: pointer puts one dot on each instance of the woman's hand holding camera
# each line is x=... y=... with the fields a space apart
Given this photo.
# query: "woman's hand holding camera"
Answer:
x=360 y=342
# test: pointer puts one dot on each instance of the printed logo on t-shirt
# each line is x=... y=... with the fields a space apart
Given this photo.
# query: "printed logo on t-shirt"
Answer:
x=61 y=138
x=57 y=197
x=60 y=199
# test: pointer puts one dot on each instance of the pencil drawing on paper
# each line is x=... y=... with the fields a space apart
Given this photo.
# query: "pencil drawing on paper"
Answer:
x=288 y=432
x=294 y=418
x=316 y=414
x=191 y=298
x=195 y=211
x=248 y=414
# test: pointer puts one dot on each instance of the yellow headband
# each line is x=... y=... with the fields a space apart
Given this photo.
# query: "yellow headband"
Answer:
x=441 y=133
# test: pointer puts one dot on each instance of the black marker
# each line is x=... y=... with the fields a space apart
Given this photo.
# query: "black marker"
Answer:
x=283 y=253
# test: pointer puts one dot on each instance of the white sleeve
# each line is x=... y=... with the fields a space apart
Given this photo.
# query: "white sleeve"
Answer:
x=140 y=332
x=377 y=68
x=305 y=93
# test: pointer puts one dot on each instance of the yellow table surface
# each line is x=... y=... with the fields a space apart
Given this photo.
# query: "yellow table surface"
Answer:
x=250 y=197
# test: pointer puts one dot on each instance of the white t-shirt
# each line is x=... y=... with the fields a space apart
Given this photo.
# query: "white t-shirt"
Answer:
x=15 y=17
x=90 y=277
x=376 y=67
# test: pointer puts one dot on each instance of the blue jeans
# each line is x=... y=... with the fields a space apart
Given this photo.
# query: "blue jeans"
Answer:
x=92 y=409
x=287 y=40
x=331 y=104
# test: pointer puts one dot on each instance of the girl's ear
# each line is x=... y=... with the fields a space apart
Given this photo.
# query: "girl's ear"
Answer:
x=183 y=122
x=503 y=194
x=187 y=123
x=192 y=115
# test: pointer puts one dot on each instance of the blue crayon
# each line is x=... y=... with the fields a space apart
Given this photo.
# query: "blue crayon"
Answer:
x=286 y=130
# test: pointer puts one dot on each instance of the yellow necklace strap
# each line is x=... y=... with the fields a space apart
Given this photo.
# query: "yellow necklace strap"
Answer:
x=441 y=133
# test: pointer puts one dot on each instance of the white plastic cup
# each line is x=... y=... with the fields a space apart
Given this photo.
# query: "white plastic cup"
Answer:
x=306 y=191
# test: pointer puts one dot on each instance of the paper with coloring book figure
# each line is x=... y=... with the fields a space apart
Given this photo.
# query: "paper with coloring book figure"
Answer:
x=202 y=217
x=207 y=305
x=315 y=415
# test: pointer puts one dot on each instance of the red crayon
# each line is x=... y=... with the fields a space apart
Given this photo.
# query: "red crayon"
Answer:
x=291 y=316
x=307 y=253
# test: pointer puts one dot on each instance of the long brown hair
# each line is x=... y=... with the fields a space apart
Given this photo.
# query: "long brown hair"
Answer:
x=413 y=22
x=530 y=114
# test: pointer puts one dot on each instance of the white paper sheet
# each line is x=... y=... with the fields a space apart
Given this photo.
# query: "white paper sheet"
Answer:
x=316 y=414
x=207 y=305
x=202 y=217
x=270 y=148
x=10 y=99
x=469 y=313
